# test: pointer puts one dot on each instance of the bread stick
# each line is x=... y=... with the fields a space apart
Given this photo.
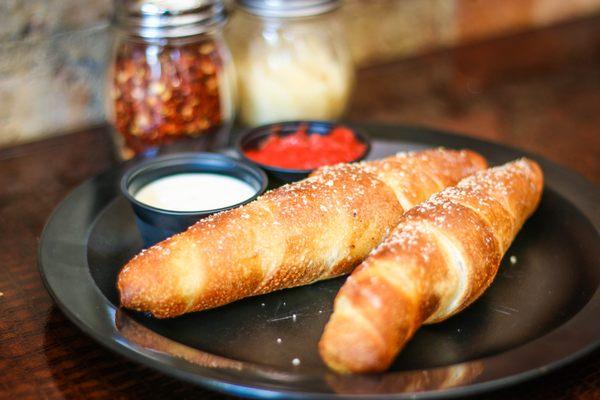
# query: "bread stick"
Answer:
x=440 y=258
x=300 y=233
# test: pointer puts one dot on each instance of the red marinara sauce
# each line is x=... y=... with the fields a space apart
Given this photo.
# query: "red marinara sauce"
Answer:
x=302 y=150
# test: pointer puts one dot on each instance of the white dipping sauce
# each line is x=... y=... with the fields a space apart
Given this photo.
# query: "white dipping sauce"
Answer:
x=196 y=191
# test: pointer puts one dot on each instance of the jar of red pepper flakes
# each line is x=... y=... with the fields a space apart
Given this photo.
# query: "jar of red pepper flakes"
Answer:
x=171 y=79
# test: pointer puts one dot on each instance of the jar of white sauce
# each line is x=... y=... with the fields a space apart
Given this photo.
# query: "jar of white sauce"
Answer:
x=170 y=193
x=195 y=191
x=292 y=60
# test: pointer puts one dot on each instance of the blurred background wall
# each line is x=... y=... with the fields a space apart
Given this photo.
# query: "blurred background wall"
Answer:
x=53 y=52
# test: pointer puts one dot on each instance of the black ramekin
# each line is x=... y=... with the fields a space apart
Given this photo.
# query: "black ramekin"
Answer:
x=157 y=224
x=252 y=138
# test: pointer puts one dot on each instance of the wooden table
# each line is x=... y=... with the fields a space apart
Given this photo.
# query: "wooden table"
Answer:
x=538 y=91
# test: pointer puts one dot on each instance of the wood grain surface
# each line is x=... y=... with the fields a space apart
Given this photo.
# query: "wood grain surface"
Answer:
x=539 y=91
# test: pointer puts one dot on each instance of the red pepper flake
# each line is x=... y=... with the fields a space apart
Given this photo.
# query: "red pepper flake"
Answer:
x=162 y=93
x=301 y=150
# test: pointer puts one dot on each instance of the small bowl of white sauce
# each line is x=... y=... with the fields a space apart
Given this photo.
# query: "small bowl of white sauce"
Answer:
x=170 y=193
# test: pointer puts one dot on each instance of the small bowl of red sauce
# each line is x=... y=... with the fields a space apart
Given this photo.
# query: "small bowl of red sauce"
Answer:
x=289 y=151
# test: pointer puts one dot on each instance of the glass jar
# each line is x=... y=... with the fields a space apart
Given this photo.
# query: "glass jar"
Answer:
x=171 y=83
x=292 y=60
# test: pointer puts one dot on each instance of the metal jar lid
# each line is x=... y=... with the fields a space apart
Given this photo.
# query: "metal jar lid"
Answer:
x=156 y=19
x=288 y=8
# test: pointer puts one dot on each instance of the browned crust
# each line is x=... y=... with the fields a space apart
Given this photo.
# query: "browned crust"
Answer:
x=440 y=258
x=314 y=229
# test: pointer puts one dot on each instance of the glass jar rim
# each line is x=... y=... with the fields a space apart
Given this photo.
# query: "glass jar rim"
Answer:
x=288 y=8
x=155 y=19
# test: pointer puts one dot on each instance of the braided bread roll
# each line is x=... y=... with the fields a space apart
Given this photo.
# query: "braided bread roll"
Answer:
x=439 y=259
x=300 y=233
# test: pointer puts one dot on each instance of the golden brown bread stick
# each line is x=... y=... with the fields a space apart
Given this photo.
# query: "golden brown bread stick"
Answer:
x=310 y=230
x=439 y=259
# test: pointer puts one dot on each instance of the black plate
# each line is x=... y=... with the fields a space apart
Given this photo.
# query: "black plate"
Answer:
x=541 y=312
